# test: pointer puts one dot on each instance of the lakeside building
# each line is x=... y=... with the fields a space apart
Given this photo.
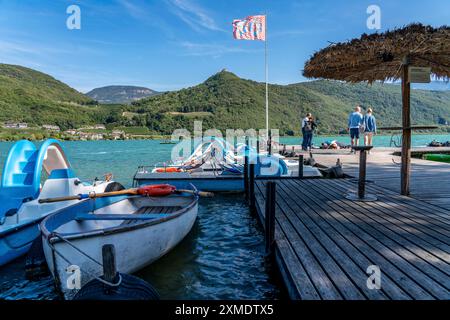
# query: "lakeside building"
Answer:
x=71 y=132
x=15 y=125
x=118 y=134
x=50 y=127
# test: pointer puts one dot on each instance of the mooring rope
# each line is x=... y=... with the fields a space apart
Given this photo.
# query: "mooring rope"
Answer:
x=86 y=255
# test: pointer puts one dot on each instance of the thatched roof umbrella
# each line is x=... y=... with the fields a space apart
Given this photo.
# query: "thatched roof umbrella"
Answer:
x=387 y=56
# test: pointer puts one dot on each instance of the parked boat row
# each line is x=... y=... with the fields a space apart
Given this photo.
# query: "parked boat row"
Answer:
x=217 y=166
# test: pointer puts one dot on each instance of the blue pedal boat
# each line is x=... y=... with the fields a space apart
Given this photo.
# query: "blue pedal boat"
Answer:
x=21 y=188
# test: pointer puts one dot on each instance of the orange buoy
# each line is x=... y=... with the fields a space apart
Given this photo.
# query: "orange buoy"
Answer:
x=156 y=190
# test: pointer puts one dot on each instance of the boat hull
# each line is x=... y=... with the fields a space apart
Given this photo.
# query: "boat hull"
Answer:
x=215 y=184
x=17 y=243
x=135 y=246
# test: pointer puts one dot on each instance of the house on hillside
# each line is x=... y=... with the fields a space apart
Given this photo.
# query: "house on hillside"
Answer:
x=118 y=134
x=50 y=127
x=15 y=125
x=71 y=132
x=100 y=127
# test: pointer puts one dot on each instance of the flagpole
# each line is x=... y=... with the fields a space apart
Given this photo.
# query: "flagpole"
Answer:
x=267 y=80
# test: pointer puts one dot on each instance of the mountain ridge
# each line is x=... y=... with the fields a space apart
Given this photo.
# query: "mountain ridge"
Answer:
x=120 y=94
x=233 y=102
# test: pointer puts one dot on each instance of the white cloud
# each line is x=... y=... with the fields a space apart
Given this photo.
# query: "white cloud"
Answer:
x=193 y=15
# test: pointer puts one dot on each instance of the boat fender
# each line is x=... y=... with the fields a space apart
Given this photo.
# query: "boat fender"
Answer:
x=130 y=288
x=156 y=190
x=114 y=186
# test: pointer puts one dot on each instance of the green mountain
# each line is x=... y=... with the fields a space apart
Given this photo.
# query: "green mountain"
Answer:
x=119 y=94
x=226 y=101
x=36 y=98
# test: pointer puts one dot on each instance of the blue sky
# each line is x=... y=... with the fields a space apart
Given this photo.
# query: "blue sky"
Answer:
x=170 y=44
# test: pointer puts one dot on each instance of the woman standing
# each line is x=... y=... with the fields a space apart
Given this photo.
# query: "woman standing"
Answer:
x=370 y=127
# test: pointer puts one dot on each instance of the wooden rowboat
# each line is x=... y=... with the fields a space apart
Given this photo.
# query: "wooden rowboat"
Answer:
x=142 y=229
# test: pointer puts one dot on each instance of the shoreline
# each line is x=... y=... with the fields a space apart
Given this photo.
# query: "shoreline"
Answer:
x=31 y=137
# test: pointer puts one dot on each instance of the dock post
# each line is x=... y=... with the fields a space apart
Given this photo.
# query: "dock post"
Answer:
x=246 y=162
x=300 y=166
x=361 y=194
x=109 y=263
x=269 y=144
x=269 y=218
x=252 y=186
x=362 y=174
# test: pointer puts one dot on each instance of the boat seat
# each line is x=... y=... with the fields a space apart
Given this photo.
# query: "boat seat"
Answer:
x=11 y=199
x=152 y=210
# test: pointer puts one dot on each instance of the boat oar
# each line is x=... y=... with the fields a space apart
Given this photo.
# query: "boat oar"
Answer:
x=202 y=194
x=163 y=190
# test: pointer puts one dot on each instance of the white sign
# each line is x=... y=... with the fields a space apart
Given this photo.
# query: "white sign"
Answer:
x=419 y=74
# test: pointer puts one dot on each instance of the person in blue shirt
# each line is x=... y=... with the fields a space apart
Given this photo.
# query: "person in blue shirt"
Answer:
x=370 y=127
x=355 y=122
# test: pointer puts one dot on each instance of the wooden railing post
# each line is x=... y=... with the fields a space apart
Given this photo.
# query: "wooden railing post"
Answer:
x=269 y=218
x=246 y=184
x=269 y=147
x=300 y=166
x=252 y=186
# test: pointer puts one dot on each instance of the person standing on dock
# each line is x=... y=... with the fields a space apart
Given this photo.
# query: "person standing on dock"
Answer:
x=304 y=122
x=370 y=127
x=310 y=126
x=355 y=122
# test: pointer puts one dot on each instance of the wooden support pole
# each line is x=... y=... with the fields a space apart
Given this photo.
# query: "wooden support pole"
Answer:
x=246 y=184
x=406 y=122
x=269 y=219
x=362 y=174
x=300 y=166
x=109 y=263
x=252 y=186
x=269 y=147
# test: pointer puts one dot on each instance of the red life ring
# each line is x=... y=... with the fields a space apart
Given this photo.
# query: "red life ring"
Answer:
x=169 y=169
x=156 y=190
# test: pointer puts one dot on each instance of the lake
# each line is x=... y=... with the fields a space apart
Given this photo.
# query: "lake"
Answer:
x=223 y=256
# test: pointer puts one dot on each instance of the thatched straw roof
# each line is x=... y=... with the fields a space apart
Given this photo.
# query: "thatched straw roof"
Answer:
x=380 y=56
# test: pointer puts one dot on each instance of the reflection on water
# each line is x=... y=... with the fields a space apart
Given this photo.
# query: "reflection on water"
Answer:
x=222 y=258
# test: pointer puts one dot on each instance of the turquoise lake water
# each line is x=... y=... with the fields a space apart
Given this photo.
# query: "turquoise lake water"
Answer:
x=223 y=256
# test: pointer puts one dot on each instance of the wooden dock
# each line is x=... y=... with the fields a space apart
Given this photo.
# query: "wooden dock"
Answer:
x=430 y=181
x=324 y=243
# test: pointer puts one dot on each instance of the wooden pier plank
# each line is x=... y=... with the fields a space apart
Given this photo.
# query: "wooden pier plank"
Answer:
x=330 y=242
x=429 y=179
x=368 y=245
x=410 y=251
